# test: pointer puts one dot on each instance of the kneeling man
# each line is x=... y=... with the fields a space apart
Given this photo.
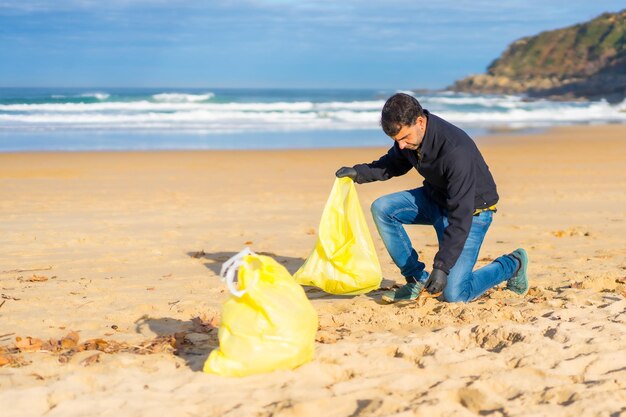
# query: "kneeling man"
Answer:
x=458 y=198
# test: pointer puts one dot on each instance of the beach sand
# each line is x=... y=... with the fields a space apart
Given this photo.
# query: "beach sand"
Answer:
x=127 y=247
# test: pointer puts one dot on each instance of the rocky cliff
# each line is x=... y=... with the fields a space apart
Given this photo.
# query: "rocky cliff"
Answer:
x=584 y=61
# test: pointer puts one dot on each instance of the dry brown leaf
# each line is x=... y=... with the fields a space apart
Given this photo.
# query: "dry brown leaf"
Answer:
x=4 y=359
x=158 y=345
x=68 y=346
x=205 y=323
x=50 y=345
x=150 y=288
x=14 y=361
x=70 y=340
x=90 y=360
x=577 y=285
x=103 y=345
x=423 y=297
x=248 y=242
x=198 y=254
x=113 y=347
x=37 y=278
x=95 y=344
x=28 y=344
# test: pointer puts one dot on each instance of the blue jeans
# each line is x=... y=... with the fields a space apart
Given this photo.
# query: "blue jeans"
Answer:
x=392 y=211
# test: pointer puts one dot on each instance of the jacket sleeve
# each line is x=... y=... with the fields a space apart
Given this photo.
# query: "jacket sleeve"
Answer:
x=459 y=172
x=390 y=165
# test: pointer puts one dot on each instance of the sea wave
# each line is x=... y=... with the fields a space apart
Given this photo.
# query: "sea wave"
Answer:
x=543 y=114
x=480 y=101
x=96 y=95
x=182 y=98
x=187 y=112
x=197 y=116
x=147 y=106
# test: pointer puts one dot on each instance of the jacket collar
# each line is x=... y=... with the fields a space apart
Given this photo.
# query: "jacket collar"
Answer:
x=429 y=142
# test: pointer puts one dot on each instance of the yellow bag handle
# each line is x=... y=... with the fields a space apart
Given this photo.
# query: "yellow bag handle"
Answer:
x=229 y=271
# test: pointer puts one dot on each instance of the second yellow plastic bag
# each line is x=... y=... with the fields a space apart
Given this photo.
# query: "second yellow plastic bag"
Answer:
x=344 y=260
x=267 y=324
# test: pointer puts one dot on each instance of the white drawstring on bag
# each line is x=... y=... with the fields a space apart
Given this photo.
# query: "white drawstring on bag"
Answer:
x=229 y=270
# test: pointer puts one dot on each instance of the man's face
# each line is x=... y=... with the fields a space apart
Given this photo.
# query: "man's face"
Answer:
x=410 y=137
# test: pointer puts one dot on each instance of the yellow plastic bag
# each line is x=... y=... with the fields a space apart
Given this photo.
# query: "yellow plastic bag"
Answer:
x=267 y=324
x=344 y=260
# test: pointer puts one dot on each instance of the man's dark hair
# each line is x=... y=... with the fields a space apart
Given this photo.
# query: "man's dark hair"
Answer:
x=399 y=110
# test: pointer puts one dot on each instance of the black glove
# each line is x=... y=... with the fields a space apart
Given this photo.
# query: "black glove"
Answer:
x=346 y=172
x=436 y=282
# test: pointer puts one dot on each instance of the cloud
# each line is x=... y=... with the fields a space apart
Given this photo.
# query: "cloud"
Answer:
x=350 y=24
x=30 y=6
x=332 y=12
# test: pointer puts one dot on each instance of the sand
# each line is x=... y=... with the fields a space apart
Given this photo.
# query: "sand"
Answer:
x=127 y=247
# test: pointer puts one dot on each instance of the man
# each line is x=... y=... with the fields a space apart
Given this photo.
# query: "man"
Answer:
x=458 y=198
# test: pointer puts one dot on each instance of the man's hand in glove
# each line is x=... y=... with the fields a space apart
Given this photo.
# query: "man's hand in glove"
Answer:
x=346 y=172
x=436 y=282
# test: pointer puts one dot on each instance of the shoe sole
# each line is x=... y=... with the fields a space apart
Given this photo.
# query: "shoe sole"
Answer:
x=523 y=271
x=390 y=300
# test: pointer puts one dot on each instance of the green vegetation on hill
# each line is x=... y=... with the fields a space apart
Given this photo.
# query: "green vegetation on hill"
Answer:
x=587 y=60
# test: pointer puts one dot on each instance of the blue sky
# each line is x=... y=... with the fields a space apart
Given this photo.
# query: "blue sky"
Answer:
x=266 y=43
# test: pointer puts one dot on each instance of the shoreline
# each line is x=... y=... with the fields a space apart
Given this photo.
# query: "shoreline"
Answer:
x=492 y=135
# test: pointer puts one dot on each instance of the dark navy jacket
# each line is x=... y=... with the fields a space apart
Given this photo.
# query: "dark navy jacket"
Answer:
x=455 y=175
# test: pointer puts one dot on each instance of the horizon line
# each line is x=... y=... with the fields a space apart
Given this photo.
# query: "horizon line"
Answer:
x=230 y=88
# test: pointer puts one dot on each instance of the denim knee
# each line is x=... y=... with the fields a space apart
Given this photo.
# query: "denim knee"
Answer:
x=455 y=294
x=380 y=208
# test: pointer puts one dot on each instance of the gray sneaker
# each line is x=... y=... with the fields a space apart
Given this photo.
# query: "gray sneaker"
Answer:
x=519 y=282
x=407 y=292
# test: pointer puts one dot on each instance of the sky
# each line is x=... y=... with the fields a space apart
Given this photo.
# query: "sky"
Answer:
x=267 y=43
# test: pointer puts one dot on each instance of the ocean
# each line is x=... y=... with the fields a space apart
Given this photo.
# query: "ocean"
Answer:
x=56 y=119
